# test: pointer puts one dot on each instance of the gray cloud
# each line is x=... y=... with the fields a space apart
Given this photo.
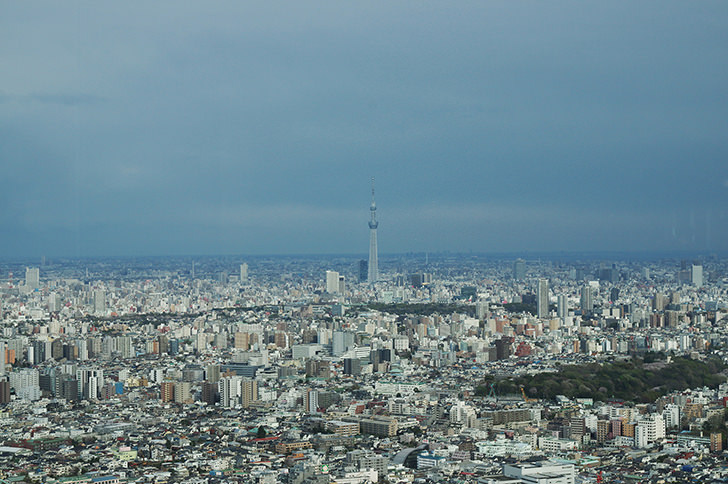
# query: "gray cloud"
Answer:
x=584 y=125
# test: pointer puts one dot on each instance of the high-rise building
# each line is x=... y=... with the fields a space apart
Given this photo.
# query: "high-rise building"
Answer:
x=243 y=273
x=310 y=401
x=562 y=306
x=54 y=302
x=542 y=298
x=519 y=269
x=4 y=391
x=587 y=305
x=373 y=269
x=237 y=391
x=210 y=392
x=332 y=282
x=716 y=442
x=696 y=275
x=212 y=373
x=363 y=270
x=242 y=341
x=32 y=277
x=183 y=392
x=167 y=391
x=99 y=301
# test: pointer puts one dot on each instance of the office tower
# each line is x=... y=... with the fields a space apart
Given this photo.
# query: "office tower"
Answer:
x=373 y=269
x=542 y=299
x=519 y=269
x=332 y=282
x=352 y=366
x=562 y=306
x=243 y=273
x=342 y=284
x=420 y=279
x=341 y=341
x=696 y=275
x=32 y=277
x=363 y=270
x=587 y=305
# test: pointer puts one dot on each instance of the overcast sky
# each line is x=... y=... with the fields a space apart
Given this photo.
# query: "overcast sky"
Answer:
x=155 y=128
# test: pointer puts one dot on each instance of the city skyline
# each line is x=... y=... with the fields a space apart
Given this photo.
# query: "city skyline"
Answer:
x=238 y=129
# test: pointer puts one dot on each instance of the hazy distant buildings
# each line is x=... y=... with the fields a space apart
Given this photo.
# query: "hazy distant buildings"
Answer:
x=243 y=273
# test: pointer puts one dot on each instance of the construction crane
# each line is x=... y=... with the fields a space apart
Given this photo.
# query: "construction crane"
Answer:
x=492 y=394
x=525 y=398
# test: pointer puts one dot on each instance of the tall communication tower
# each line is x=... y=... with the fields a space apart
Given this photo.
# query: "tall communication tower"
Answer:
x=373 y=272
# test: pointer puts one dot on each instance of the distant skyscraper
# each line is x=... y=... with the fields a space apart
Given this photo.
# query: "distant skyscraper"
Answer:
x=99 y=301
x=562 y=306
x=363 y=270
x=542 y=298
x=519 y=269
x=373 y=270
x=243 y=273
x=32 y=277
x=332 y=282
x=696 y=275
x=587 y=305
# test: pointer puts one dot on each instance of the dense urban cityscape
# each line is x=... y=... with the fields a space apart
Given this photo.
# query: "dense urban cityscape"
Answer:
x=187 y=294
x=301 y=370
